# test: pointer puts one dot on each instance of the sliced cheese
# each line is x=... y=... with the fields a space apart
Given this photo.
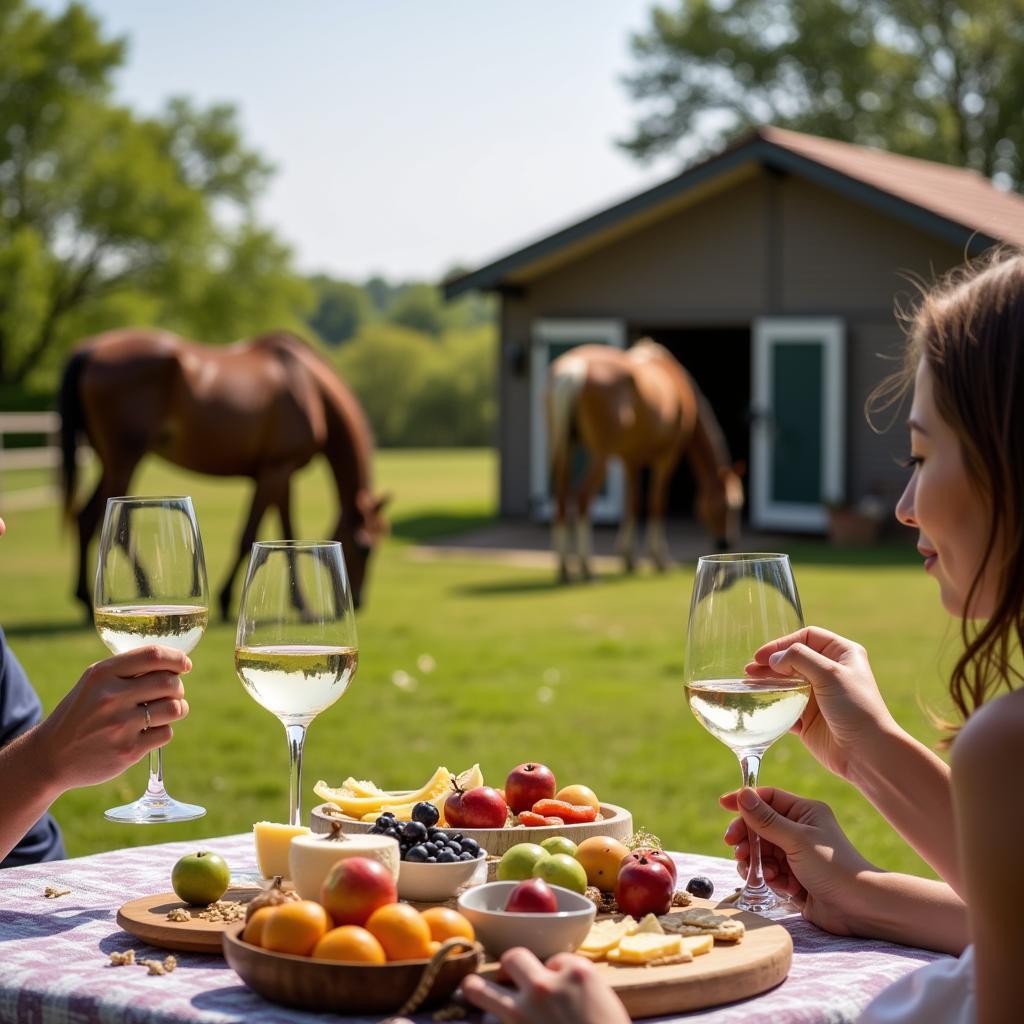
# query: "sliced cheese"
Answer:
x=644 y=947
x=605 y=935
x=272 y=842
x=311 y=857
x=650 y=925
x=699 y=944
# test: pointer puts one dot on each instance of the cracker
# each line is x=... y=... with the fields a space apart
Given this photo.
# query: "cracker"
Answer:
x=697 y=921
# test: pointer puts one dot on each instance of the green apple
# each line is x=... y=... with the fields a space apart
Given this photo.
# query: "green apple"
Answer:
x=561 y=869
x=201 y=878
x=517 y=862
x=559 y=844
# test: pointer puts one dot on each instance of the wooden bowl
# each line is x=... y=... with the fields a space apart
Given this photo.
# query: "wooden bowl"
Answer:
x=616 y=822
x=327 y=986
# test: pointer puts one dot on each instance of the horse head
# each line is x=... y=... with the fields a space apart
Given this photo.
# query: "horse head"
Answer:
x=359 y=530
x=719 y=504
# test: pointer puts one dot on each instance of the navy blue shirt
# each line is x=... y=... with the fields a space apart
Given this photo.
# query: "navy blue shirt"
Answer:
x=19 y=711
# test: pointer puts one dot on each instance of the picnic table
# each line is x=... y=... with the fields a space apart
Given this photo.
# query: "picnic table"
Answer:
x=55 y=953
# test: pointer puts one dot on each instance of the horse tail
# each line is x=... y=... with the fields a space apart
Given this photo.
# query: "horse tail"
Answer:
x=72 y=420
x=564 y=385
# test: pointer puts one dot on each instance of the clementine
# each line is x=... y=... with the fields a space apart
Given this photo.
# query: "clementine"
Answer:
x=351 y=944
x=253 y=933
x=601 y=857
x=295 y=927
x=401 y=930
x=445 y=923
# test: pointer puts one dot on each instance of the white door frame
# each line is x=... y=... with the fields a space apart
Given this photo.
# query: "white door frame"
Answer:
x=606 y=507
x=829 y=332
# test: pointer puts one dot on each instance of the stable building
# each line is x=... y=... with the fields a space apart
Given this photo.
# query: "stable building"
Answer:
x=772 y=271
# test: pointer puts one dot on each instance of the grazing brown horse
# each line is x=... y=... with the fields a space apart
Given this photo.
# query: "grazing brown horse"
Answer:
x=260 y=408
x=642 y=406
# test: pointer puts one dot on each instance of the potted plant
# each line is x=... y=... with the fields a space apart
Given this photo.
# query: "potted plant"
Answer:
x=855 y=524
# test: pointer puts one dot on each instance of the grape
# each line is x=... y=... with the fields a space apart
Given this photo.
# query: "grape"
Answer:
x=455 y=847
x=446 y=857
x=414 y=832
x=425 y=813
x=466 y=856
x=701 y=887
x=470 y=845
x=417 y=854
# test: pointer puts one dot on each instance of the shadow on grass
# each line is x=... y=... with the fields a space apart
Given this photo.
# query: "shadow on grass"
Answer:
x=30 y=629
x=437 y=524
x=547 y=584
x=820 y=552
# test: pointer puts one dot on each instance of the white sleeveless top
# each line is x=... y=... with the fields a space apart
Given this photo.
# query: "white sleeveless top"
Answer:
x=941 y=992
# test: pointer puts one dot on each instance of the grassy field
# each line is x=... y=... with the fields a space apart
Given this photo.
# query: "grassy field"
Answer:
x=585 y=679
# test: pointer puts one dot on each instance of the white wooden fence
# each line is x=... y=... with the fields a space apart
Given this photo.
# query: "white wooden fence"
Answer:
x=46 y=456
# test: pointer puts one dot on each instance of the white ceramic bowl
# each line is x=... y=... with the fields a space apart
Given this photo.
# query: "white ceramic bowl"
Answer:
x=543 y=934
x=432 y=883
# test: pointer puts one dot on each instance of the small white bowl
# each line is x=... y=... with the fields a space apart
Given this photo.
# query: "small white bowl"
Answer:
x=433 y=883
x=543 y=934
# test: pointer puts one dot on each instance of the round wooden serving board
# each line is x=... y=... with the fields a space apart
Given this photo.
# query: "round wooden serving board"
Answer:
x=146 y=919
x=731 y=971
x=616 y=822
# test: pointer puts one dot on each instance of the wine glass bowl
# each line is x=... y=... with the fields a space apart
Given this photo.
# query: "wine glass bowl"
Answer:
x=295 y=648
x=741 y=602
x=151 y=589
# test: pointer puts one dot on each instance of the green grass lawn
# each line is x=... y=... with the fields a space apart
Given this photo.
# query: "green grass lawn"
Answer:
x=585 y=679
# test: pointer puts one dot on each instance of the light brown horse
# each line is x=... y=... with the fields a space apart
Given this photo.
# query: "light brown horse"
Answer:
x=260 y=408
x=642 y=406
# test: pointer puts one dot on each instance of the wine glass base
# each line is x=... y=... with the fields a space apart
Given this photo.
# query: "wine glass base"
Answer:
x=767 y=905
x=154 y=810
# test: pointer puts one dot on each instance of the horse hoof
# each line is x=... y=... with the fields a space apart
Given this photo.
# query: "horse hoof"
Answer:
x=563 y=576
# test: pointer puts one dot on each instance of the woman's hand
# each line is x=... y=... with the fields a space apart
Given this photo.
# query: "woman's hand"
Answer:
x=804 y=854
x=99 y=729
x=845 y=710
x=567 y=991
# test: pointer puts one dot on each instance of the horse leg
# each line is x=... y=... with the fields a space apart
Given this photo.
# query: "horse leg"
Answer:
x=661 y=474
x=625 y=544
x=591 y=485
x=284 y=509
x=262 y=498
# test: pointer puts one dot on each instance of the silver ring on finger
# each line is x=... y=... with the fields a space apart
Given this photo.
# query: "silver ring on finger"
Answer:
x=145 y=710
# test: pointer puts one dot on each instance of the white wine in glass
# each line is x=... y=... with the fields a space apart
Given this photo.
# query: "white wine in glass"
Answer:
x=295 y=649
x=740 y=602
x=151 y=589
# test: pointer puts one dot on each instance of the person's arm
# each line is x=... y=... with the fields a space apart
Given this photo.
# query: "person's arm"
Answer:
x=989 y=805
x=849 y=729
x=808 y=857
x=96 y=731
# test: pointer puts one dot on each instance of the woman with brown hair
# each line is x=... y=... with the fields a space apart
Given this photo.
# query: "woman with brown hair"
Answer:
x=965 y=499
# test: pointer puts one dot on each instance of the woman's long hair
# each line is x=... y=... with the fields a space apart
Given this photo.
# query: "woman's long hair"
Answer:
x=970 y=332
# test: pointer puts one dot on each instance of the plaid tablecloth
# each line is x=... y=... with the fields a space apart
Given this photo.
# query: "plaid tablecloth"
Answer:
x=55 y=963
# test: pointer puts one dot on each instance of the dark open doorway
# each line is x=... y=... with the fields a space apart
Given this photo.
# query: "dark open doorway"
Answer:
x=719 y=360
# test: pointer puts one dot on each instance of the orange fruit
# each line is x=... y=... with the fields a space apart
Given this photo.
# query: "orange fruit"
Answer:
x=401 y=930
x=351 y=944
x=295 y=927
x=579 y=795
x=445 y=923
x=253 y=932
x=601 y=857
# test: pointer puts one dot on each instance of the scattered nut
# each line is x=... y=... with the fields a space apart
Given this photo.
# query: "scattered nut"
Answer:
x=121 y=959
x=179 y=914
x=681 y=898
x=51 y=893
x=223 y=912
x=155 y=966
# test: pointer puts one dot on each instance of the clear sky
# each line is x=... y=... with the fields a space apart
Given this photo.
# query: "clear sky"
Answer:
x=408 y=134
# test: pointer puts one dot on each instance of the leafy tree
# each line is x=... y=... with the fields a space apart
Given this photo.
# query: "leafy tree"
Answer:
x=419 y=307
x=341 y=309
x=105 y=212
x=939 y=79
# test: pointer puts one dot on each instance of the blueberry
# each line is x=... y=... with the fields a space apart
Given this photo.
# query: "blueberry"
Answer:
x=466 y=856
x=457 y=837
x=455 y=847
x=414 y=832
x=470 y=846
x=701 y=887
x=437 y=833
x=431 y=847
x=446 y=857
x=425 y=813
x=393 y=831
x=481 y=852
x=417 y=854
x=387 y=816
x=375 y=829
x=431 y=860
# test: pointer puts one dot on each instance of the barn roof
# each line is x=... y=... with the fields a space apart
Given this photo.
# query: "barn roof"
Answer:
x=955 y=204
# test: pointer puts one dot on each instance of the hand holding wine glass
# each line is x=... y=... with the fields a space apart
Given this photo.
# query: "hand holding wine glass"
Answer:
x=741 y=602
x=151 y=589
x=295 y=649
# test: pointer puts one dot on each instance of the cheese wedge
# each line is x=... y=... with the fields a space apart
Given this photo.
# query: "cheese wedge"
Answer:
x=650 y=925
x=642 y=948
x=699 y=944
x=605 y=935
x=311 y=858
x=272 y=842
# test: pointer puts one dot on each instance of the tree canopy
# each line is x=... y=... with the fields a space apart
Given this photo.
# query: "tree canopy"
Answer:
x=938 y=79
x=109 y=217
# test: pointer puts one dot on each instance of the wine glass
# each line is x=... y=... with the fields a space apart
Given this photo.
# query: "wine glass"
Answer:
x=151 y=589
x=739 y=603
x=295 y=649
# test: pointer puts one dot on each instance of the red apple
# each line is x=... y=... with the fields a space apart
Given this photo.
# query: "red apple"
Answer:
x=355 y=888
x=481 y=807
x=534 y=896
x=643 y=887
x=527 y=784
x=660 y=856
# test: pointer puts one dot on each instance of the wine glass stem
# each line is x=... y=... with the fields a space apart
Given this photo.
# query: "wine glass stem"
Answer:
x=750 y=764
x=296 y=738
x=155 y=788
